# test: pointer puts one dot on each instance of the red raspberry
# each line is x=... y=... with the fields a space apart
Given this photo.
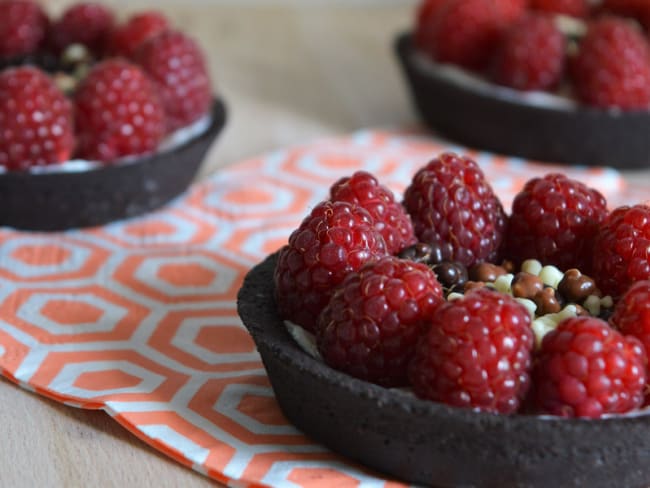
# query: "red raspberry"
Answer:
x=626 y=8
x=510 y=11
x=118 y=112
x=531 y=55
x=632 y=313
x=23 y=27
x=573 y=8
x=587 y=369
x=612 y=68
x=476 y=353
x=390 y=217
x=555 y=220
x=465 y=32
x=425 y=19
x=127 y=38
x=451 y=202
x=177 y=66
x=373 y=321
x=35 y=120
x=335 y=239
x=84 y=23
x=620 y=254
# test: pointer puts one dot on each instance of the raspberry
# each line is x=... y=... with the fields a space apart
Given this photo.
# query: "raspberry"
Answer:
x=476 y=353
x=510 y=11
x=573 y=8
x=612 y=68
x=450 y=201
x=177 y=66
x=372 y=322
x=587 y=369
x=425 y=19
x=632 y=313
x=555 y=220
x=620 y=253
x=35 y=120
x=390 y=217
x=531 y=55
x=23 y=27
x=335 y=239
x=127 y=38
x=84 y=23
x=118 y=113
x=465 y=32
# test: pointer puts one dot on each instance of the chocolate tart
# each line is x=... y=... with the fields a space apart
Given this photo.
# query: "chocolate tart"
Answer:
x=499 y=119
x=429 y=443
x=57 y=200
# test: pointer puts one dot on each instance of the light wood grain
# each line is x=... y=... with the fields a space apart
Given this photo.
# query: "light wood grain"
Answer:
x=290 y=71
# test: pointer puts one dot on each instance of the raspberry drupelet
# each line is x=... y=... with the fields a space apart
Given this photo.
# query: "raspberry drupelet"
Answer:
x=391 y=219
x=335 y=239
x=372 y=322
x=476 y=353
x=587 y=369
x=450 y=201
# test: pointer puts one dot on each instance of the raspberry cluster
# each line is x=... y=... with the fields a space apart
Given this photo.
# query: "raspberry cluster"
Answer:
x=487 y=310
x=86 y=86
x=595 y=52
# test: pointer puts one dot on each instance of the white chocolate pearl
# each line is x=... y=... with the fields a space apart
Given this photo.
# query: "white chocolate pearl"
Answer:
x=530 y=305
x=532 y=266
x=551 y=276
x=503 y=282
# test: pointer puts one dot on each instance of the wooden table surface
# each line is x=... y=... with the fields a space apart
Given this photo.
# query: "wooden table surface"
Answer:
x=290 y=71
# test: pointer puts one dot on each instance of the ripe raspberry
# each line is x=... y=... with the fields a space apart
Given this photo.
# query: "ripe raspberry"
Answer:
x=127 y=38
x=84 y=23
x=476 y=353
x=587 y=369
x=465 y=32
x=612 y=68
x=176 y=65
x=573 y=8
x=555 y=220
x=632 y=313
x=35 y=120
x=373 y=321
x=620 y=254
x=450 y=201
x=23 y=26
x=117 y=112
x=425 y=20
x=390 y=217
x=335 y=239
x=531 y=55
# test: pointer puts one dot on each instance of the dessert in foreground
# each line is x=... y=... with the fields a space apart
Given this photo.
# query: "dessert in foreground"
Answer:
x=100 y=119
x=534 y=79
x=441 y=356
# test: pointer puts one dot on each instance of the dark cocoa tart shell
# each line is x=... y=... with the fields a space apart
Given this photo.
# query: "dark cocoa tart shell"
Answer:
x=430 y=443
x=579 y=136
x=66 y=200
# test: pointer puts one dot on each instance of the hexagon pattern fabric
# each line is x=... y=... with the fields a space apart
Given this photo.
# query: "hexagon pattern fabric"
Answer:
x=138 y=318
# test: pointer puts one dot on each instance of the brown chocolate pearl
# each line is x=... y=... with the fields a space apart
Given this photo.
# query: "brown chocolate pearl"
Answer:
x=441 y=252
x=546 y=301
x=526 y=285
x=508 y=265
x=473 y=285
x=581 y=311
x=486 y=272
x=575 y=286
x=450 y=274
x=420 y=253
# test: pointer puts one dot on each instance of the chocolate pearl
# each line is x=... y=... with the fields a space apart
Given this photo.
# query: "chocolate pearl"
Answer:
x=486 y=272
x=420 y=253
x=526 y=285
x=473 y=285
x=450 y=274
x=508 y=265
x=575 y=286
x=581 y=311
x=546 y=301
x=441 y=252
